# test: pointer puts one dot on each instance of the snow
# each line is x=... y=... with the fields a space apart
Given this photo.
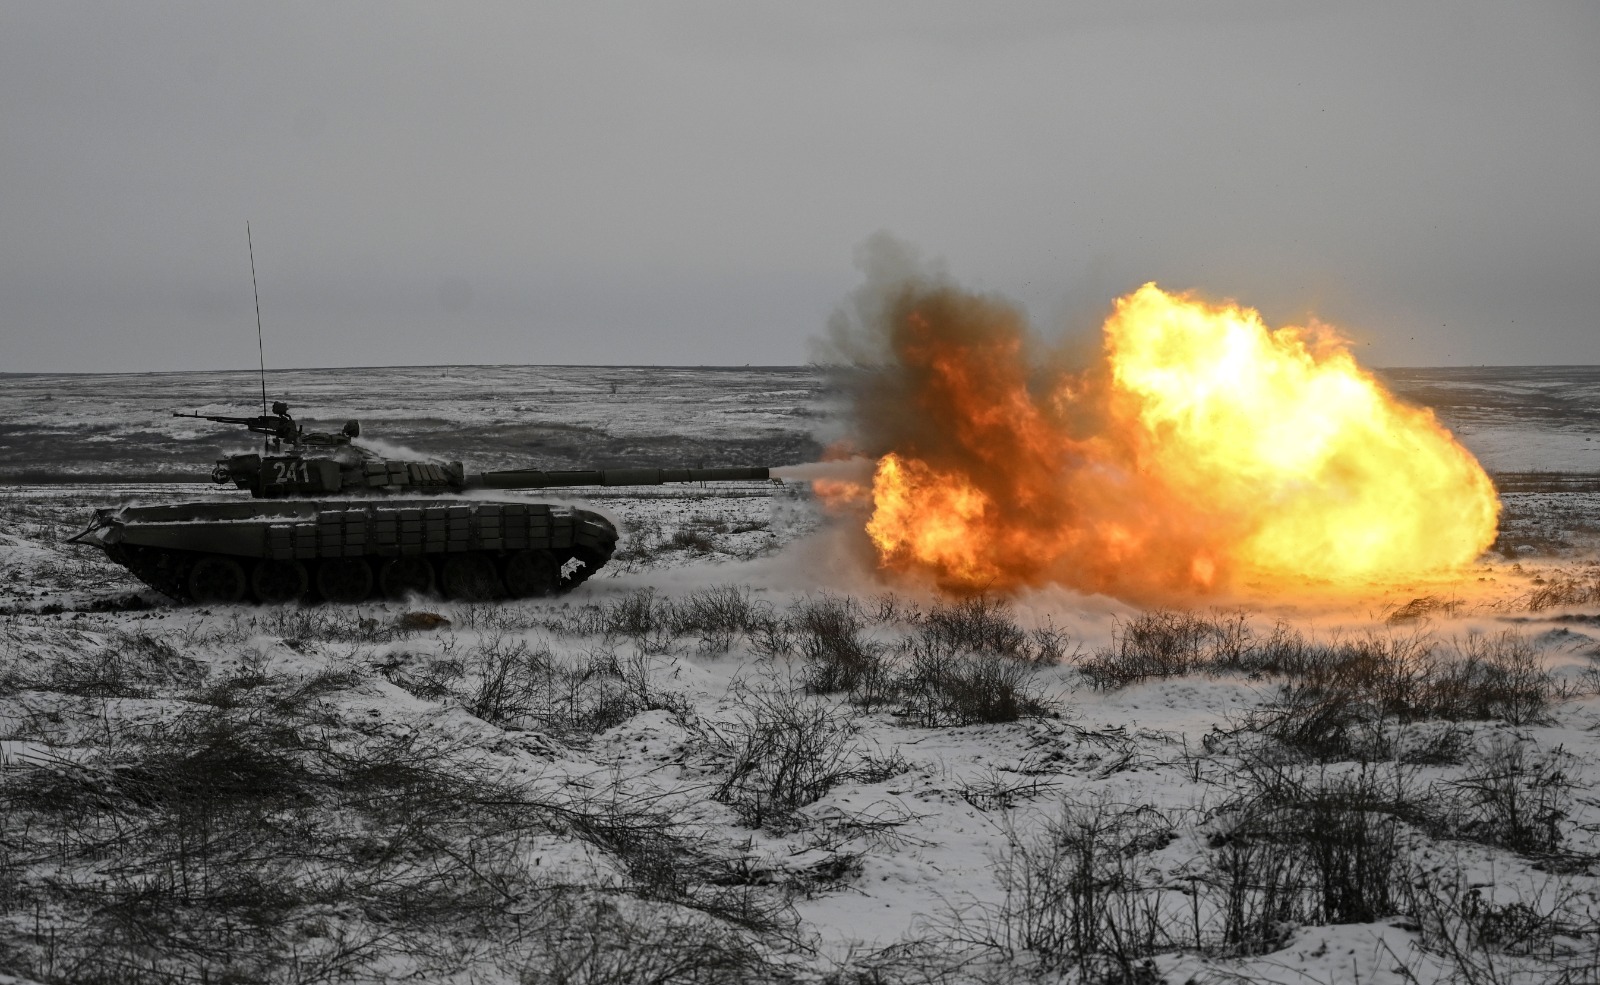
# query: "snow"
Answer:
x=926 y=836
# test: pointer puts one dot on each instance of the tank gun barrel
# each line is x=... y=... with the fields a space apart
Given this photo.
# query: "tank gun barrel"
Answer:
x=279 y=426
x=536 y=479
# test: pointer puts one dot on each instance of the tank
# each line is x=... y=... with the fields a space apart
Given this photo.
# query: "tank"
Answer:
x=330 y=520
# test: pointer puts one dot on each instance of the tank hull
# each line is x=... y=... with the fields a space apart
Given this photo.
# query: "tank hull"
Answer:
x=347 y=550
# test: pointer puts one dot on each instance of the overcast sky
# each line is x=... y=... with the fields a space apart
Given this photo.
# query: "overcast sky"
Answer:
x=689 y=182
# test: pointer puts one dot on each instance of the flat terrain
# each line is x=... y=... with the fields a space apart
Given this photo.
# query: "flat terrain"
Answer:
x=738 y=754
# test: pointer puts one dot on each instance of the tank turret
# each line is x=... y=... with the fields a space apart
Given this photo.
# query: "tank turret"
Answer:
x=348 y=524
x=319 y=463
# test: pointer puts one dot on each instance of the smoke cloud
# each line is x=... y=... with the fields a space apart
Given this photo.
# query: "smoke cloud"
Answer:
x=1196 y=450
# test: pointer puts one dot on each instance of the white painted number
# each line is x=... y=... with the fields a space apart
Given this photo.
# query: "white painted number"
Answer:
x=283 y=472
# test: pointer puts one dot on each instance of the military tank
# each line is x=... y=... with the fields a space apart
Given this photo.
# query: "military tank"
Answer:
x=331 y=520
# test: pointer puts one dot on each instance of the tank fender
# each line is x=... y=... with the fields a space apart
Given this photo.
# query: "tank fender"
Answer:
x=219 y=537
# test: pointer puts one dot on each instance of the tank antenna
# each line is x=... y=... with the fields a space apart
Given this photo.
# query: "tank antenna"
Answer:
x=260 y=351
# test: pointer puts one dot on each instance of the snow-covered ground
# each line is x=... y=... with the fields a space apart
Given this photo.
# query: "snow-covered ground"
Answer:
x=739 y=754
x=488 y=416
x=1515 y=419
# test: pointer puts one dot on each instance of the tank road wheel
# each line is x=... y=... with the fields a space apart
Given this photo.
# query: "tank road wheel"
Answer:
x=216 y=579
x=402 y=576
x=530 y=574
x=345 y=579
x=469 y=578
x=278 y=581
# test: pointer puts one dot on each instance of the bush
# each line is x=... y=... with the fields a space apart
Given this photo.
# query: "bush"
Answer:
x=985 y=624
x=1257 y=889
x=1336 y=836
x=510 y=682
x=1561 y=592
x=1498 y=676
x=185 y=854
x=1081 y=892
x=827 y=633
x=1551 y=938
x=981 y=624
x=1327 y=726
x=1344 y=700
x=1421 y=608
x=787 y=752
x=1151 y=645
x=1513 y=798
x=718 y=615
x=641 y=617
x=693 y=538
x=967 y=662
x=944 y=688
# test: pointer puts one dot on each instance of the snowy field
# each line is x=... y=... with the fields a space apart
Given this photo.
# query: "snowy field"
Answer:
x=738 y=754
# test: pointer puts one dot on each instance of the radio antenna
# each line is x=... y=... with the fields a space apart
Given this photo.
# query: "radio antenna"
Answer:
x=260 y=351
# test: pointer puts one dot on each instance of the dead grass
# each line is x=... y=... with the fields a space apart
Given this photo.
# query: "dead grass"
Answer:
x=518 y=685
x=231 y=842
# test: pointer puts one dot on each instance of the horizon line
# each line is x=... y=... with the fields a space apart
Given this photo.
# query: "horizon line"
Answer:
x=703 y=366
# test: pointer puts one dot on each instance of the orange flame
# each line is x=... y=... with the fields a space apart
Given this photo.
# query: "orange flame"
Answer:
x=1205 y=450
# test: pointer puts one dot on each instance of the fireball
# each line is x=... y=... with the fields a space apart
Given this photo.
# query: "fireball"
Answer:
x=1202 y=450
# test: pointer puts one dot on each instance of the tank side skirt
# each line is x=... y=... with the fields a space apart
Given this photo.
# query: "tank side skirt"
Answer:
x=161 y=551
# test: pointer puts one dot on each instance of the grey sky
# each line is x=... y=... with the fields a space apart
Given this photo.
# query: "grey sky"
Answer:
x=687 y=183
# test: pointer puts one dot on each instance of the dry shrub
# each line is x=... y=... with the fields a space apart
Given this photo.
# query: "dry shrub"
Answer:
x=1301 y=846
x=966 y=663
x=1336 y=703
x=987 y=624
x=515 y=684
x=1000 y=789
x=693 y=538
x=599 y=940
x=1494 y=677
x=1151 y=645
x=1513 y=797
x=641 y=617
x=127 y=665
x=1433 y=744
x=981 y=624
x=1257 y=887
x=301 y=626
x=643 y=541
x=889 y=607
x=787 y=752
x=944 y=688
x=236 y=845
x=1423 y=607
x=1560 y=592
x=1334 y=689
x=1549 y=938
x=718 y=616
x=827 y=633
x=185 y=852
x=1081 y=892
x=1344 y=700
